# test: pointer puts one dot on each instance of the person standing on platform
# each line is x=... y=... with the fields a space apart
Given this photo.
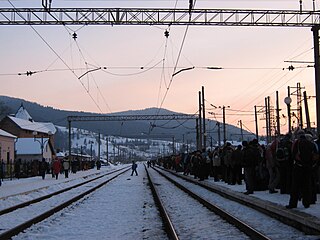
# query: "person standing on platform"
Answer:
x=43 y=168
x=56 y=167
x=272 y=166
x=302 y=152
x=250 y=158
x=66 y=168
x=134 y=168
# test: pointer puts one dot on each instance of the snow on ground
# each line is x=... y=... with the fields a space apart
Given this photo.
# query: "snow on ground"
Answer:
x=17 y=186
x=124 y=209
x=17 y=191
x=191 y=219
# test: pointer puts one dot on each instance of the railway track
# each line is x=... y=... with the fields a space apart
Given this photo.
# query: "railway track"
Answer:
x=252 y=223
x=300 y=221
x=17 y=218
x=13 y=207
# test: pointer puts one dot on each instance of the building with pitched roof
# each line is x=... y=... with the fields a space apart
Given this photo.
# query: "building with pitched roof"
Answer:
x=34 y=139
x=23 y=126
x=7 y=151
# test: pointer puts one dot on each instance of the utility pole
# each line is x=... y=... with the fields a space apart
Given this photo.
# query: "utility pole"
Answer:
x=299 y=108
x=224 y=124
x=197 y=133
x=240 y=122
x=269 y=119
x=200 y=123
x=69 y=126
x=266 y=113
x=307 y=110
x=289 y=110
x=107 y=149
x=99 y=143
x=315 y=30
x=173 y=146
x=256 y=121
x=219 y=135
x=278 y=114
x=204 y=120
x=81 y=158
x=90 y=142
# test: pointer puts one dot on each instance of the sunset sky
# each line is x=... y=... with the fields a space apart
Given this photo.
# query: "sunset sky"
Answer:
x=253 y=59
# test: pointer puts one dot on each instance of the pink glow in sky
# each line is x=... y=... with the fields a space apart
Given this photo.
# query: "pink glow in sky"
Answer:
x=253 y=58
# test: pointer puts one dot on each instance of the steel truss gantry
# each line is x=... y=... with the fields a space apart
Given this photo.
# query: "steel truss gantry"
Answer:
x=122 y=118
x=135 y=16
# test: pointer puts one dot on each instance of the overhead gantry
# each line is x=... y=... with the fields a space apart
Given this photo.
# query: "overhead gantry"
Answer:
x=192 y=17
x=123 y=118
x=146 y=16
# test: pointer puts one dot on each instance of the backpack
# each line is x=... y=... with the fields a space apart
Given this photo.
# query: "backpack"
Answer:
x=282 y=151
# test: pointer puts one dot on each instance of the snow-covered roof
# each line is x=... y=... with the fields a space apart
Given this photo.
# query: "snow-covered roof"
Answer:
x=60 y=154
x=22 y=113
x=6 y=134
x=34 y=126
x=28 y=146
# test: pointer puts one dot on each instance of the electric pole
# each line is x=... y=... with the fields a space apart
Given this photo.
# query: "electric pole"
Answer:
x=204 y=121
x=278 y=114
x=200 y=123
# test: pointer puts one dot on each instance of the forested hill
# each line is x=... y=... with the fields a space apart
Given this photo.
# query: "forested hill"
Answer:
x=161 y=129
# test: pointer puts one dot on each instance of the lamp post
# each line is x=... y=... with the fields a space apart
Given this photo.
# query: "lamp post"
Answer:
x=42 y=142
x=224 y=122
x=91 y=142
x=288 y=101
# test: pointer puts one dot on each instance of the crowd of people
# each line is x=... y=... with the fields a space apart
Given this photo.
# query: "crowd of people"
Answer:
x=288 y=165
x=56 y=167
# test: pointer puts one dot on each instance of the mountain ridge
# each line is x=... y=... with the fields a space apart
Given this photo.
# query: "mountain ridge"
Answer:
x=182 y=130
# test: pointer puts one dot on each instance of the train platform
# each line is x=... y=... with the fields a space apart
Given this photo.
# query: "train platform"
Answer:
x=14 y=186
x=274 y=203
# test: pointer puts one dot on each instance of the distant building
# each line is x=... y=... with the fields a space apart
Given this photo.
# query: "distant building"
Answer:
x=34 y=135
x=30 y=149
x=7 y=150
x=23 y=126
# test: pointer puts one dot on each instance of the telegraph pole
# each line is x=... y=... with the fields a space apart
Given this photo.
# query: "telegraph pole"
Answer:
x=269 y=118
x=204 y=120
x=224 y=124
x=69 y=126
x=256 y=120
x=315 y=30
x=99 y=146
x=299 y=108
x=200 y=123
x=107 y=149
x=307 y=110
x=289 y=111
x=240 y=122
x=219 y=135
x=267 y=124
x=197 y=132
x=278 y=114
